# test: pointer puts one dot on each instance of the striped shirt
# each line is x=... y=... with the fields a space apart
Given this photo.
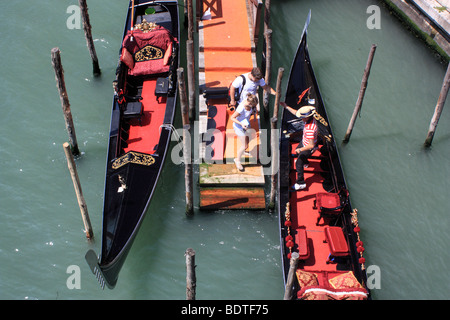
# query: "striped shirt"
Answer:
x=310 y=132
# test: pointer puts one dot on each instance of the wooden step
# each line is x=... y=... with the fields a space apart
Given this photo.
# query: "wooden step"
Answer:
x=216 y=198
x=228 y=175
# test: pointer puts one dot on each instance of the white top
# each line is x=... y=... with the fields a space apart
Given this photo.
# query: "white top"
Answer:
x=250 y=86
x=244 y=116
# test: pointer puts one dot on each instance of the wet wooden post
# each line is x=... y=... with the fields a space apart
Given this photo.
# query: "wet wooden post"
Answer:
x=266 y=15
x=60 y=84
x=291 y=276
x=76 y=183
x=190 y=14
x=191 y=77
x=188 y=172
x=88 y=34
x=274 y=164
x=278 y=92
x=191 y=280
x=362 y=91
x=274 y=141
x=439 y=107
x=268 y=36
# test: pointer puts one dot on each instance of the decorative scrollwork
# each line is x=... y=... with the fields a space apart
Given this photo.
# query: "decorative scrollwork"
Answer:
x=148 y=53
x=133 y=157
x=321 y=119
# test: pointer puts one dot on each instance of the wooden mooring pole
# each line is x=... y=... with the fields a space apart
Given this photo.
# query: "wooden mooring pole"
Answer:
x=191 y=77
x=362 y=92
x=274 y=141
x=278 y=92
x=190 y=15
x=274 y=164
x=291 y=276
x=188 y=172
x=266 y=15
x=60 y=84
x=88 y=34
x=268 y=37
x=76 y=183
x=191 y=280
x=439 y=107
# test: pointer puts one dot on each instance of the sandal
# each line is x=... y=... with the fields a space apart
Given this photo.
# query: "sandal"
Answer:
x=238 y=165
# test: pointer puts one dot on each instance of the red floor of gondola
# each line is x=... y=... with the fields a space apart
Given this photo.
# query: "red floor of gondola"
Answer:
x=303 y=214
x=143 y=136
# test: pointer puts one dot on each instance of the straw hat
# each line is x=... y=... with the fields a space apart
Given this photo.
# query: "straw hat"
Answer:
x=305 y=112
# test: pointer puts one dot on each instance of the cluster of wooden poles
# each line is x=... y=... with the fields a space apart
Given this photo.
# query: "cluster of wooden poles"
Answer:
x=437 y=112
x=71 y=148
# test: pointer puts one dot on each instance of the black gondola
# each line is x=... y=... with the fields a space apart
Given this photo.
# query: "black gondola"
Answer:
x=142 y=118
x=326 y=238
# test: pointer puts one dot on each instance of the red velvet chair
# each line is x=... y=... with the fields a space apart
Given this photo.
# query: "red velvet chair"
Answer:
x=330 y=204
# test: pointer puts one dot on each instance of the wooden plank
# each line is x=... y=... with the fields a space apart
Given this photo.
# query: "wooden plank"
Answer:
x=232 y=198
x=229 y=175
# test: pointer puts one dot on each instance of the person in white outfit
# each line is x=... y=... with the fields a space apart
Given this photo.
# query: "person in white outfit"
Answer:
x=241 y=122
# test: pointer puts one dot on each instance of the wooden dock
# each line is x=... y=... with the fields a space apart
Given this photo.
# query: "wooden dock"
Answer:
x=430 y=19
x=226 y=50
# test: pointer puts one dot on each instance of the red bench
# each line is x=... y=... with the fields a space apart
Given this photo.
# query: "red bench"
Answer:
x=337 y=242
x=301 y=239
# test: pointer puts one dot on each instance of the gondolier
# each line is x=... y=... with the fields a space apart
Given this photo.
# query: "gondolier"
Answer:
x=308 y=144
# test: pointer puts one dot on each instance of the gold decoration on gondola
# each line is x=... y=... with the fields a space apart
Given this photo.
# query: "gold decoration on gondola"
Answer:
x=145 y=26
x=289 y=240
x=147 y=53
x=359 y=243
x=321 y=119
x=133 y=157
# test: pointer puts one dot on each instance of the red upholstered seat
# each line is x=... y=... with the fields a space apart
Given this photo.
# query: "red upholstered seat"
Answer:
x=327 y=200
x=330 y=204
x=147 y=52
x=301 y=239
x=336 y=241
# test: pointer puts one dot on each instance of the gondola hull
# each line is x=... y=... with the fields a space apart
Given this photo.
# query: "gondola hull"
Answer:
x=301 y=230
x=142 y=118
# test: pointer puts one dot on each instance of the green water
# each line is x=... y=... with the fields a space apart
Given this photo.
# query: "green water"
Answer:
x=399 y=188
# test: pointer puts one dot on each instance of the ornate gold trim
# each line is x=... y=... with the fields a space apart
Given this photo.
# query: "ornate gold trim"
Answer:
x=133 y=157
x=147 y=53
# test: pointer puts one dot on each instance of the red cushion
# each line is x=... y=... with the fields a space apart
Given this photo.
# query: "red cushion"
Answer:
x=149 y=50
x=345 y=280
x=327 y=293
x=328 y=200
x=301 y=239
x=127 y=58
x=336 y=241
